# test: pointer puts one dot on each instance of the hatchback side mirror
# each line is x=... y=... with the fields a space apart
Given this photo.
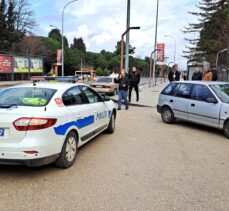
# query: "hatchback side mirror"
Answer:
x=211 y=100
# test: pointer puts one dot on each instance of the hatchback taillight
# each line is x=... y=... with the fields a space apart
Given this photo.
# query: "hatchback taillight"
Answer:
x=26 y=123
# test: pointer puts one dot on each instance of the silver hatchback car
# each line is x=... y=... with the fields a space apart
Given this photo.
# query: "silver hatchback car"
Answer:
x=201 y=102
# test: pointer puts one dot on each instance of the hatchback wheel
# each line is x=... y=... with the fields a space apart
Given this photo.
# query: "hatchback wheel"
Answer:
x=167 y=115
x=226 y=129
x=69 y=151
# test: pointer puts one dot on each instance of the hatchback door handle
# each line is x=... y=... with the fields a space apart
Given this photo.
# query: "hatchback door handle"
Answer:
x=193 y=105
x=171 y=101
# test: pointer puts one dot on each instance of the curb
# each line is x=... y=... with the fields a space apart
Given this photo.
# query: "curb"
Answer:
x=136 y=105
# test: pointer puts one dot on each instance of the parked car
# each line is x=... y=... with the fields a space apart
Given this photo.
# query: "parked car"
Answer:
x=45 y=122
x=201 y=102
x=105 y=85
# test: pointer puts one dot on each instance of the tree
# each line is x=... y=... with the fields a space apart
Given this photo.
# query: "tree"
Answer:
x=55 y=34
x=99 y=71
x=101 y=61
x=16 y=19
x=118 y=48
x=212 y=28
x=105 y=72
x=79 y=44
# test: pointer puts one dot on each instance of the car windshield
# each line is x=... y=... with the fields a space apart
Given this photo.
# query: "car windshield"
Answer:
x=222 y=91
x=25 y=96
x=104 y=80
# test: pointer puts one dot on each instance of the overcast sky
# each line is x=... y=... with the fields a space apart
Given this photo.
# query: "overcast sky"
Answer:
x=101 y=23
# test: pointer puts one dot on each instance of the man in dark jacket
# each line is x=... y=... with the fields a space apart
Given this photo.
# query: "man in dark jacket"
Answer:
x=174 y=74
x=134 y=78
x=197 y=75
x=214 y=74
x=123 y=82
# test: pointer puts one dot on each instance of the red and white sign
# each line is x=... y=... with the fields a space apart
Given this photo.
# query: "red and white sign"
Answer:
x=6 y=64
x=160 y=52
x=58 y=56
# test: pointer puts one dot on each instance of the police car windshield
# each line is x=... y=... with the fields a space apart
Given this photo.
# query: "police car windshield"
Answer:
x=222 y=91
x=104 y=80
x=26 y=96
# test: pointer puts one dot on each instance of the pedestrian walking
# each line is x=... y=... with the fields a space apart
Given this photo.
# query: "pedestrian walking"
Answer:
x=197 y=75
x=174 y=74
x=214 y=74
x=123 y=82
x=134 y=79
x=207 y=76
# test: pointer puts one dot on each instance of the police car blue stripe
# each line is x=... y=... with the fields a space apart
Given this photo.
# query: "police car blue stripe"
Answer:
x=80 y=123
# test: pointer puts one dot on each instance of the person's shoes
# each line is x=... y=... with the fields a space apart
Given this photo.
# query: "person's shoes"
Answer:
x=119 y=109
x=127 y=108
x=137 y=100
x=129 y=101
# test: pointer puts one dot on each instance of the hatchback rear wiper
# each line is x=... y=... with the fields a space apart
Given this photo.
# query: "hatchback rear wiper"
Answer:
x=8 y=105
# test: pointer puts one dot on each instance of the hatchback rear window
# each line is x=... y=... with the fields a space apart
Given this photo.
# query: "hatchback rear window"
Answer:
x=26 y=96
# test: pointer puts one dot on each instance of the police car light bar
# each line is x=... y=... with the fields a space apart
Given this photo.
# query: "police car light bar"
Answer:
x=72 y=79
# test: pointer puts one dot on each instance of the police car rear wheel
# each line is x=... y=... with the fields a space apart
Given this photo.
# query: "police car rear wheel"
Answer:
x=167 y=115
x=69 y=151
x=111 y=126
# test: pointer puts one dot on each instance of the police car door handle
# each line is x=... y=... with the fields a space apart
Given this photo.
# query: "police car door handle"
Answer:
x=171 y=101
x=193 y=105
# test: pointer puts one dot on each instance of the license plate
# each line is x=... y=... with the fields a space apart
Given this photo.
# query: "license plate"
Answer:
x=99 y=86
x=1 y=132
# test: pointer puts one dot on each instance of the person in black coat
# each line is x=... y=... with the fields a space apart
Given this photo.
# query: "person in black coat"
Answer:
x=134 y=79
x=214 y=74
x=174 y=74
x=123 y=82
x=197 y=75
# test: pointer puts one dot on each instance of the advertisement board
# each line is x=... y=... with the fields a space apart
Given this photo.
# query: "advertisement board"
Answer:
x=6 y=64
x=21 y=64
x=36 y=65
x=160 y=52
x=58 y=57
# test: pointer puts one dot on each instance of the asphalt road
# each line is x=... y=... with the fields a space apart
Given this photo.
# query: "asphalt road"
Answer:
x=145 y=165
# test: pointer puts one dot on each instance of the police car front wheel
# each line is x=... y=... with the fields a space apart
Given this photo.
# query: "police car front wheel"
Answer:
x=111 y=126
x=69 y=151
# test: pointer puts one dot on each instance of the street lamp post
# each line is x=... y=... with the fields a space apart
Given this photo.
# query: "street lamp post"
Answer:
x=217 y=56
x=63 y=35
x=175 y=47
x=127 y=37
x=122 y=44
x=150 y=67
x=155 y=44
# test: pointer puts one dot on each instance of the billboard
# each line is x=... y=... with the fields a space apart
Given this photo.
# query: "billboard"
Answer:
x=21 y=64
x=160 y=52
x=36 y=65
x=6 y=64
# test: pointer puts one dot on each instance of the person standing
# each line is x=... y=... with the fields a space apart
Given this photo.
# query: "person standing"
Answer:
x=197 y=75
x=123 y=82
x=174 y=74
x=207 y=75
x=134 y=79
x=214 y=74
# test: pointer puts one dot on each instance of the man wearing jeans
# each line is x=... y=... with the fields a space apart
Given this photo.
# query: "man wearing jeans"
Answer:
x=123 y=82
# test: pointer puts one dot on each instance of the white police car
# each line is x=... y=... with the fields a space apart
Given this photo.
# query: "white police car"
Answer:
x=47 y=122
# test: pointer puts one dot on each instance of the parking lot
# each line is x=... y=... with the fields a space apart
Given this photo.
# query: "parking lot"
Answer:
x=145 y=165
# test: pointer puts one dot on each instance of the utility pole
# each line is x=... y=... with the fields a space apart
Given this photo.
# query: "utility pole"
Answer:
x=155 y=44
x=127 y=37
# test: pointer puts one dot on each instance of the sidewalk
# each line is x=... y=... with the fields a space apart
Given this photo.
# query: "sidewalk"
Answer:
x=148 y=97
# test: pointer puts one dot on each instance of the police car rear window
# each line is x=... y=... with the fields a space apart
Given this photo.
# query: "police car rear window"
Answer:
x=26 y=96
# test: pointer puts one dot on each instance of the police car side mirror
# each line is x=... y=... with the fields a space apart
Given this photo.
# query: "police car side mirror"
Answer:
x=105 y=98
